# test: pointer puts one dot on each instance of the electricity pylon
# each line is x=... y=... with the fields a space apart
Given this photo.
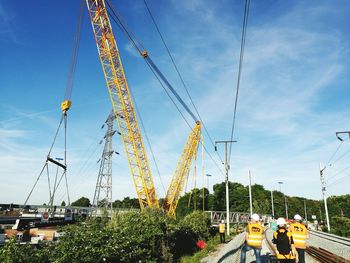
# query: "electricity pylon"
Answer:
x=103 y=190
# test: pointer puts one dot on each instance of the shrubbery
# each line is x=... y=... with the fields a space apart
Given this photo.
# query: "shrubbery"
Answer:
x=147 y=236
x=340 y=226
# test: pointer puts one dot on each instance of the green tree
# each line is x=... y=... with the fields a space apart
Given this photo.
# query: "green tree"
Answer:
x=82 y=201
x=63 y=203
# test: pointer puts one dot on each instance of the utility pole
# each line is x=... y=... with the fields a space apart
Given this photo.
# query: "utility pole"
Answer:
x=227 y=167
x=285 y=200
x=250 y=195
x=273 y=209
x=286 y=205
x=208 y=175
x=305 y=211
x=323 y=184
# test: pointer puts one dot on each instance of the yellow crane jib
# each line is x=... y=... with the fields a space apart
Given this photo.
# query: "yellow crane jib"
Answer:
x=122 y=103
x=182 y=169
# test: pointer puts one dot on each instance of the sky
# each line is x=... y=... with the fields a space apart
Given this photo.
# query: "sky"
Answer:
x=293 y=96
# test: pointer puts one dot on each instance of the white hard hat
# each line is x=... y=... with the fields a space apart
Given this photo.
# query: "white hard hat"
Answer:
x=222 y=221
x=255 y=217
x=297 y=217
x=281 y=221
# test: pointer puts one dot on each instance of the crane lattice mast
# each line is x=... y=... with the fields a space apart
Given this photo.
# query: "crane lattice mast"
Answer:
x=182 y=169
x=122 y=103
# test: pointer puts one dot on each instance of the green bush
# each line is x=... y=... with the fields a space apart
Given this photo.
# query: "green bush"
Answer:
x=340 y=226
x=147 y=236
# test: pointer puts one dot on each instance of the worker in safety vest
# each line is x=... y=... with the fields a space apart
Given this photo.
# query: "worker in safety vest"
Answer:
x=222 y=231
x=300 y=234
x=253 y=238
x=284 y=244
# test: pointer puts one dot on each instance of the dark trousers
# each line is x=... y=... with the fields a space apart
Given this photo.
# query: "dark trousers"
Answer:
x=222 y=237
x=286 y=260
x=301 y=255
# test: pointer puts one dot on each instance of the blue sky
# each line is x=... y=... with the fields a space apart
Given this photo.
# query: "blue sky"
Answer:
x=294 y=92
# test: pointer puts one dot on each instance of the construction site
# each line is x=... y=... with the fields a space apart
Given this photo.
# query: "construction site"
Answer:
x=153 y=131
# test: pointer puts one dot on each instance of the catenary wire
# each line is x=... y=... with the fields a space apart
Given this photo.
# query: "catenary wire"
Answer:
x=337 y=174
x=332 y=156
x=244 y=30
x=179 y=74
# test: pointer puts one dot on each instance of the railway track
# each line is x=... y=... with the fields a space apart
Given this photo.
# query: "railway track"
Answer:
x=325 y=256
x=317 y=253
x=337 y=239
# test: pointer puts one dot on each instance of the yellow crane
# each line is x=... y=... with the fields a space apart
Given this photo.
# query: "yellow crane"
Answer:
x=124 y=110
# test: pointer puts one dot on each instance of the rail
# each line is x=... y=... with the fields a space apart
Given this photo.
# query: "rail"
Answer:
x=325 y=256
x=334 y=238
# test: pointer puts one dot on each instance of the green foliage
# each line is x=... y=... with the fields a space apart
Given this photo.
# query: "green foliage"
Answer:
x=127 y=202
x=11 y=252
x=82 y=201
x=340 y=226
x=147 y=236
x=63 y=203
x=198 y=222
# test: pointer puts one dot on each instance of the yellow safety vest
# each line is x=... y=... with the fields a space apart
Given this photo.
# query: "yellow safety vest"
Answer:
x=299 y=233
x=282 y=256
x=222 y=228
x=255 y=232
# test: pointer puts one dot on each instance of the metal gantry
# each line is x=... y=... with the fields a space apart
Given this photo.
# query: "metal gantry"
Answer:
x=103 y=189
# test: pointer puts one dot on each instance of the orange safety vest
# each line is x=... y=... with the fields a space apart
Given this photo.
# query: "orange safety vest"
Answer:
x=222 y=228
x=255 y=232
x=299 y=233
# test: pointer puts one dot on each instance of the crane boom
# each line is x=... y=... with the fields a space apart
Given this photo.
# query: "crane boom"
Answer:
x=122 y=103
x=182 y=169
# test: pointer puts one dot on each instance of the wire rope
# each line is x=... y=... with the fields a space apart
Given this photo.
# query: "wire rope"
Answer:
x=180 y=75
x=74 y=57
x=148 y=142
x=243 y=37
x=128 y=35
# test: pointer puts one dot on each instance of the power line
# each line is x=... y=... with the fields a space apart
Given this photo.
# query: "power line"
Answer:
x=338 y=173
x=244 y=30
x=341 y=157
x=332 y=156
x=179 y=74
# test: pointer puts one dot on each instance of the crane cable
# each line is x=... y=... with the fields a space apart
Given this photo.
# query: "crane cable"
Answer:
x=179 y=74
x=74 y=56
x=144 y=54
x=244 y=31
x=116 y=17
x=65 y=107
x=148 y=142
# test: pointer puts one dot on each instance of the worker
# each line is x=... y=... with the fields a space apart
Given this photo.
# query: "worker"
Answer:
x=253 y=238
x=284 y=244
x=300 y=234
x=222 y=231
